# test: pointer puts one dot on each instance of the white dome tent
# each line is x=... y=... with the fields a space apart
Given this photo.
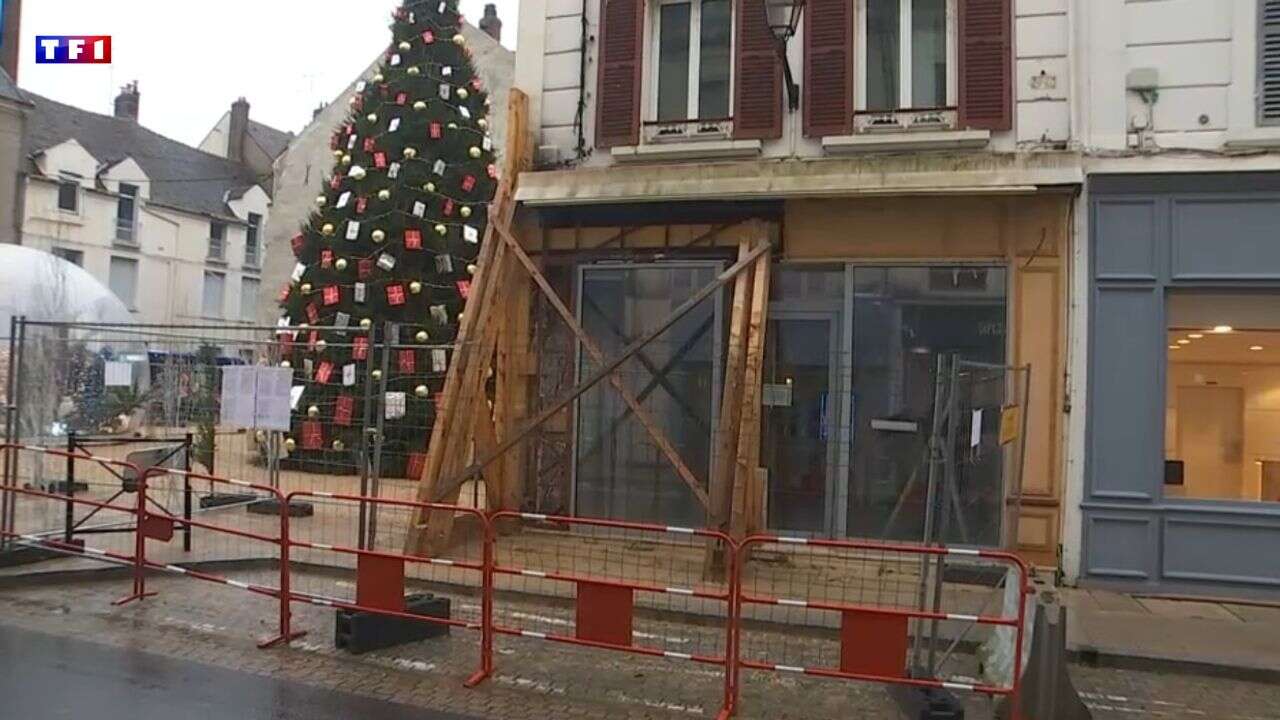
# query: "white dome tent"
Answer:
x=46 y=288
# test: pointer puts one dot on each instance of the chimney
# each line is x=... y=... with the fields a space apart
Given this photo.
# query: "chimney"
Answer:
x=238 y=133
x=490 y=22
x=9 y=36
x=129 y=102
x=315 y=114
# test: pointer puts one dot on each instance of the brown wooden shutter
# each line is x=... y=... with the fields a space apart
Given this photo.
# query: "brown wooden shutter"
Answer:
x=758 y=76
x=621 y=60
x=986 y=64
x=828 y=67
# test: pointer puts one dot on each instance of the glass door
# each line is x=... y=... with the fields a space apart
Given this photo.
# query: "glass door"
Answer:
x=903 y=318
x=799 y=436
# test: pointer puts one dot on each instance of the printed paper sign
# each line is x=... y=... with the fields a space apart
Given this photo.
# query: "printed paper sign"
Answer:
x=118 y=374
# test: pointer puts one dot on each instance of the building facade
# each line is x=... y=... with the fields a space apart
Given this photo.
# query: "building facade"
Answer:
x=1181 y=483
x=14 y=108
x=920 y=185
x=174 y=232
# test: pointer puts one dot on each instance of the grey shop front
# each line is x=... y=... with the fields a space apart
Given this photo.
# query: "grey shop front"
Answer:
x=1182 y=475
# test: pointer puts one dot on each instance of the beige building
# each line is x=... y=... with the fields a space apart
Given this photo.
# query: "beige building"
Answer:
x=14 y=107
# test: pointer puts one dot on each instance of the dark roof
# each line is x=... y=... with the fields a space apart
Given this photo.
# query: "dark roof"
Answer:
x=181 y=176
x=272 y=141
x=9 y=91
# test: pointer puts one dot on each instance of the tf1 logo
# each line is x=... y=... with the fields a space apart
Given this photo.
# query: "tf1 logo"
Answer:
x=73 y=49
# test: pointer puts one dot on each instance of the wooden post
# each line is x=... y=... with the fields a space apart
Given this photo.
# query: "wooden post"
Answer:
x=746 y=506
x=511 y=398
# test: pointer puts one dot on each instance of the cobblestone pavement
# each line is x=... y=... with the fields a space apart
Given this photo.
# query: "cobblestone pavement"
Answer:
x=218 y=626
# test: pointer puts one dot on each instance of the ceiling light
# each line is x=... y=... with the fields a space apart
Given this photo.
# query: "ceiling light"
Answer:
x=1256 y=348
x=1184 y=342
x=1174 y=347
x=1223 y=329
x=1196 y=336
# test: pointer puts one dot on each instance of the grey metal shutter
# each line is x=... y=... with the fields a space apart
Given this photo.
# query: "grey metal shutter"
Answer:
x=1269 y=62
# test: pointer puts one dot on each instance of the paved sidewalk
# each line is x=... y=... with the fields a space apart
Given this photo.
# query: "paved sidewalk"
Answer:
x=1204 y=637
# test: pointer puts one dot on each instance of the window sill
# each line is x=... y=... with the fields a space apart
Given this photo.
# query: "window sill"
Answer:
x=693 y=150
x=921 y=140
x=216 y=262
x=1256 y=137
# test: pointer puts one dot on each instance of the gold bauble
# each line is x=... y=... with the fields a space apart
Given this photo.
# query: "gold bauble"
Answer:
x=260 y=436
x=359 y=173
x=410 y=153
x=415 y=287
x=476 y=152
x=483 y=123
x=413 y=70
x=327 y=229
x=384 y=195
x=459 y=39
x=453 y=126
x=337 y=154
x=366 y=323
x=422 y=336
x=465 y=211
x=377 y=374
x=286 y=364
x=471 y=269
x=372 y=117
x=321 y=200
x=378 y=236
x=378 y=78
x=306 y=289
x=313 y=411
x=340 y=263
x=346 y=159
x=429 y=187
x=463 y=94
x=422 y=391
x=290 y=445
x=339 y=445
x=420 y=105
x=405 y=46
x=442 y=230
x=461 y=315
x=304 y=326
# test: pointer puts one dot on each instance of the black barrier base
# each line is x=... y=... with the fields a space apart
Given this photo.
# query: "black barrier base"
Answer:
x=217 y=500
x=59 y=487
x=18 y=555
x=271 y=506
x=362 y=632
x=926 y=703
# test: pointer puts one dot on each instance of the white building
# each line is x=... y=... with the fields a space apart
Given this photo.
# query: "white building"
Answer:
x=176 y=233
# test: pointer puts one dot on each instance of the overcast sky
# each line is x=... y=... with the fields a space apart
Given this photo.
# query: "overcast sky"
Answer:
x=193 y=58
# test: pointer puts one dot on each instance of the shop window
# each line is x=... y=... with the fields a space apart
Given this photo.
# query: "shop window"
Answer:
x=1222 y=399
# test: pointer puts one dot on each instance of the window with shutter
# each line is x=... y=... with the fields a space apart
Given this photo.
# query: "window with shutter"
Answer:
x=1269 y=62
x=828 y=67
x=621 y=58
x=757 y=77
x=690 y=73
x=908 y=65
x=986 y=64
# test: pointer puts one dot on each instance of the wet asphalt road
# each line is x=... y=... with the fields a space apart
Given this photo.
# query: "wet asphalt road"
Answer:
x=43 y=677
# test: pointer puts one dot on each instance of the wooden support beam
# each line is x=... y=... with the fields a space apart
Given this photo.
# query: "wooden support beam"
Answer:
x=511 y=397
x=746 y=506
x=726 y=436
x=646 y=419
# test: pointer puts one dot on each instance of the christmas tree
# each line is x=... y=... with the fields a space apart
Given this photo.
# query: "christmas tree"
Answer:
x=388 y=256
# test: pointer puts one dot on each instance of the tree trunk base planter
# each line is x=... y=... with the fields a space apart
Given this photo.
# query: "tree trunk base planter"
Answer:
x=360 y=632
x=218 y=500
x=926 y=703
x=271 y=506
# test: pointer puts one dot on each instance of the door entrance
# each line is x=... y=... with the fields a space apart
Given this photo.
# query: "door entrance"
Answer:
x=798 y=437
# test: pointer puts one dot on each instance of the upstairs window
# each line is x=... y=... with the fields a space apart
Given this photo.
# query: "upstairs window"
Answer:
x=213 y=299
x=69 y=193
x=218 y=241
x=127 y=214
x=908 y=61
x=251 y=248
x=692 y=68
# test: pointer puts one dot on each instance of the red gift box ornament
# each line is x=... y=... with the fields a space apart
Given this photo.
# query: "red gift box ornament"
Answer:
x=284 y=293
x=313 y=313
x=413 y=239
x=448 y=208
x=312 y=435
x=395 y=295
x=402 y=98
x=358 y=102
x=408 y=362
x=361 y=204
x=326 y=258
x=335 y=182
x=469 y=183
x=380 y=160
x=436 y=131
x=360 y=348
x=335 y=141
x=313 y=339
x=493 y=171
x=428 y=37
x=464 y=288
x=476 y=84
x=332 y=296
x=344 y=410
x=298 y=243
x=370 y=144
x=324 y=372
x=364 y=268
